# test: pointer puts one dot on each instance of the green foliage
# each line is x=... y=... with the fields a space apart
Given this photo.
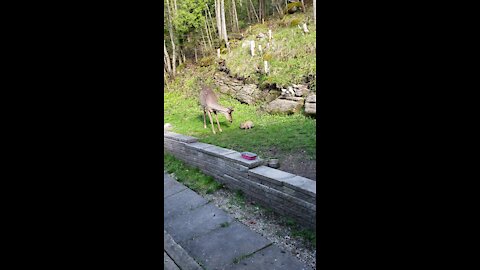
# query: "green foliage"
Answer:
x=189 y=176
x=291 y=60
x=295 y=22
x=225 y=224
x=309 y=235
x=267 y=56
x=292 y=7
x=206 y=61
x=189 y=16
x=238 y=259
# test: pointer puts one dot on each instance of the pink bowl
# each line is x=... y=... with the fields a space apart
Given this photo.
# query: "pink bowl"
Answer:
x=249 y=155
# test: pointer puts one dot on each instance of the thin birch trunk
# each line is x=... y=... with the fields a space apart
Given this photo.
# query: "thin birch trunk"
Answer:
x=315 y=12
x=260 y=9
x=248 y=14
x=179 y=57
x=211 y=20
x=232 y=20
x=224 y=28
x=170 y=27
x=236 y=15
x=219 y=18
x=207 y=30
x=203 y=37
x=254 y=12
x=167 y=57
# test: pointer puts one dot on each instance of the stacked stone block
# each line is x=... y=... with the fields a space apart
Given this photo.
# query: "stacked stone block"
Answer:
x=287 y=194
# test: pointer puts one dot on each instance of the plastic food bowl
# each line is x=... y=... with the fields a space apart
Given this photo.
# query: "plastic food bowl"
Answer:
x=249 y=155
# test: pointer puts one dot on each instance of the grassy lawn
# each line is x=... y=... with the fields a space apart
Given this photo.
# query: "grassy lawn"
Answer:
x=284 y=134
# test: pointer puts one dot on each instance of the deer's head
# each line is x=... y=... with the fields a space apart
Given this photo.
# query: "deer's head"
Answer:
x=228 y=114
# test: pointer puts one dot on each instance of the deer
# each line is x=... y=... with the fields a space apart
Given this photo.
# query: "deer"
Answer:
x=209 y=104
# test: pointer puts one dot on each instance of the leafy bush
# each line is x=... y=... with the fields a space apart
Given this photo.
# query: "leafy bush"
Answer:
x=206 y=61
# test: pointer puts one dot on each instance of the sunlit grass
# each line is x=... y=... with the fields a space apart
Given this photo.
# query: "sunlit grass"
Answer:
x=285 y=134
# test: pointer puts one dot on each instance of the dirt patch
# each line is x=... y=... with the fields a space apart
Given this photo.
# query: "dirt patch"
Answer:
x=299 y=165
x=296 y=163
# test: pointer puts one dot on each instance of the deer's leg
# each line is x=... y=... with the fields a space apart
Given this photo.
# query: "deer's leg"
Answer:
x=211 y=121
x=216 y=117
x=204 y=121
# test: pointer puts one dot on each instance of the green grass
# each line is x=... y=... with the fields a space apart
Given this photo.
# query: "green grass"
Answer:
x=272 y=136
x=224 y=224
x=309 y=235
x=189 y=176
x=239 y=258
x=238 y=199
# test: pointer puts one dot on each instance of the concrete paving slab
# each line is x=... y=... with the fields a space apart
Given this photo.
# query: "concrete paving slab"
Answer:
x=271 y=258
x=171 y=187
x=219 y=248
x=168 y=263
x=181 y=203
x=197 y=222
x=178 y=254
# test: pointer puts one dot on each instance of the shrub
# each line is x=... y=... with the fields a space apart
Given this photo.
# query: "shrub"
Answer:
x=206 y=61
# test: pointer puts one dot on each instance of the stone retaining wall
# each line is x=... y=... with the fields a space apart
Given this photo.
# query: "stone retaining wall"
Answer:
x=285 y=193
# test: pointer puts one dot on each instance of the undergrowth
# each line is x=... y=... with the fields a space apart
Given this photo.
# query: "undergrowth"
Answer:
x=291 y=56
x=309 y=235
x=191 y=177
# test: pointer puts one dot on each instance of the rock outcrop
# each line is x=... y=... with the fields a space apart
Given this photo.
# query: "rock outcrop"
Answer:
x=284 y=106
x=278 y=101
x=245 y=93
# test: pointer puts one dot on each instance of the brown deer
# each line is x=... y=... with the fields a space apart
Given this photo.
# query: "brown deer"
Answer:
x=209 y=103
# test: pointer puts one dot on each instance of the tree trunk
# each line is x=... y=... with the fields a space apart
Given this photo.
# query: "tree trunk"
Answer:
x=303 y=6
x=248 y=14
x=315 y=12
x=254 y=12
x=203 y=37
x=179 y=57
x=260 y=12
x=224 y=25
x=196 y=57
x=236 y=15
x=207 y=30
x=219 y=18
x=175 y=6
x=232 y=20
x=211 y=20
x=166 y=57
x=170 y=28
